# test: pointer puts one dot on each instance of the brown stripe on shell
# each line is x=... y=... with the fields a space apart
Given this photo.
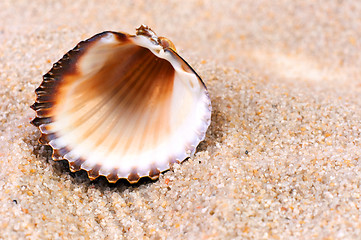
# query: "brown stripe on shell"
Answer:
x=94 y=172
x=44 y=112
x=133 y=177
x=113 y=176
x=45 y=98
x=58 y=154
x=45 y=105
x=76 y=165
x=39 y=121
x=154 y=173
x=121 y=37
x=49 y=83
x=46 y=138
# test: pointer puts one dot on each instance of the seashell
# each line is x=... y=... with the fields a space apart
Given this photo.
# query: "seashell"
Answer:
x=122 y=106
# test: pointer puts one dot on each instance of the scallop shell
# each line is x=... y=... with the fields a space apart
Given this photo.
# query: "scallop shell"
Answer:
x=122 y=106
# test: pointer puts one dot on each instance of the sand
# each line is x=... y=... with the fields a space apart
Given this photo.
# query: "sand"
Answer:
x=281 y=159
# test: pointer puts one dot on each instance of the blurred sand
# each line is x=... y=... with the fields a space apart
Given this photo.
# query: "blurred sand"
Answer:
x=284 y=78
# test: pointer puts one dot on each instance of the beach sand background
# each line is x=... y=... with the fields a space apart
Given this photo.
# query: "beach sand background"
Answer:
x=281 y=159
